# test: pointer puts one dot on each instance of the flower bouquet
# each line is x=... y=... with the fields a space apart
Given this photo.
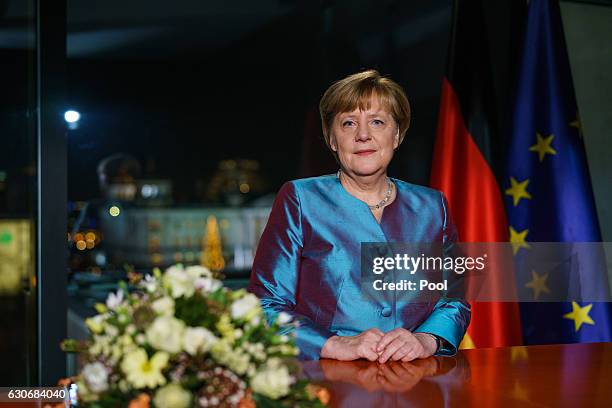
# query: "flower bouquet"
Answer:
x=181 y=339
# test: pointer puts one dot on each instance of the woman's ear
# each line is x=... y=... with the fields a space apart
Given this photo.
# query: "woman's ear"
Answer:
x=396 y=140
x=332 y=142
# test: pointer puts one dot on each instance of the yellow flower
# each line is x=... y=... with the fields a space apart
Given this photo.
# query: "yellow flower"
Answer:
x=237 y=294
x=142 y=372
x=96 y=324
x=238 y=361
x=226 y=328
x=101 y=308
x=222 y=351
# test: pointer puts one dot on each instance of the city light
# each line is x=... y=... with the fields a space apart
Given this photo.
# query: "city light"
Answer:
x=72 y=116
x=114 y=211
x=245 y=188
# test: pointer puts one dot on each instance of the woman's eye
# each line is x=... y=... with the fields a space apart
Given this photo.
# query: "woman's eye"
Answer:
x=348 y=123
x=378 y=122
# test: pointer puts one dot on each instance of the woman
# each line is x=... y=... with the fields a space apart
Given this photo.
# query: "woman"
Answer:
x=307 y=261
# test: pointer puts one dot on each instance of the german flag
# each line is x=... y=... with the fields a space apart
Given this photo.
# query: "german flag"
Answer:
x=466 y=150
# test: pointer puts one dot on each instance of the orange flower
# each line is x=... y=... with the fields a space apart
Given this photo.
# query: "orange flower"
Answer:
x=247 y=401
x=321 y=393
x=141 y=401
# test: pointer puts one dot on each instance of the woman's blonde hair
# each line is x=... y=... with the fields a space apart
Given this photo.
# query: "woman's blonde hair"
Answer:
x=356 y=91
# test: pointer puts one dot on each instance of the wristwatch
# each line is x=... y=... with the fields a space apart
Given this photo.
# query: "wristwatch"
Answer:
x=438 y=340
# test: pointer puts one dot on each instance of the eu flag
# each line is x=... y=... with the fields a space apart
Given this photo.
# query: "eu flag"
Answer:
x=548 y=191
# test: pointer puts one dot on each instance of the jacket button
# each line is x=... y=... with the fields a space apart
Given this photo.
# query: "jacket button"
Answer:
x=386 y=312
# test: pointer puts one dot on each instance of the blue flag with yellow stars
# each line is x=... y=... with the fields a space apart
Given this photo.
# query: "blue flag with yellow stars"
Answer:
x=547 y=189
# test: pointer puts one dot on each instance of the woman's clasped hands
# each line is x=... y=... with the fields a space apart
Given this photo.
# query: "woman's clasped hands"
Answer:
x=374 y=345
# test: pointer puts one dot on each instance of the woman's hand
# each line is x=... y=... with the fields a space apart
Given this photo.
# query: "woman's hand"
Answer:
x=401 y=344
x=346 y=348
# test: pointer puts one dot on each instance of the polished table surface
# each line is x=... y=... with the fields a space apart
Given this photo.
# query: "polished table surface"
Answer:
x=572 y=375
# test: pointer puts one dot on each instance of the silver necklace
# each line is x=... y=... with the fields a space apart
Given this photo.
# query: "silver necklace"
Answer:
x=385 y=199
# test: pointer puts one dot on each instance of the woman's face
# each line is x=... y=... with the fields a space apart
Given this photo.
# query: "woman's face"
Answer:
x=364 y=140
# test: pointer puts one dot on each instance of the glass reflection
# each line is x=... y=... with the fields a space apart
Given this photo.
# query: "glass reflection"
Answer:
x=18 y=194
x=364 y=383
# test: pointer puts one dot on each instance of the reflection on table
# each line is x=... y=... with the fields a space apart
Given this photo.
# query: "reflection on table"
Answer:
x=576 y=375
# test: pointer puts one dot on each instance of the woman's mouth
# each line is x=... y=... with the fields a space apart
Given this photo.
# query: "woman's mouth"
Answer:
x=364 y=152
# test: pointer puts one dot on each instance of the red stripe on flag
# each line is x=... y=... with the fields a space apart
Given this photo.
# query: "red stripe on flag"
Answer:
x=462 y=173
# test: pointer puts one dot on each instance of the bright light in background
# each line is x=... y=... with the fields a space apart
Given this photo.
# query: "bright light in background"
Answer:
x=114 y=211
x=149 y=191
x=72 y=116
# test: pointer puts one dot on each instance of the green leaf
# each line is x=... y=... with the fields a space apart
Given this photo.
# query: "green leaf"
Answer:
x=194 y=311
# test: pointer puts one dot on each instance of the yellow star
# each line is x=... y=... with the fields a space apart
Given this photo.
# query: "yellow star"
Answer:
x=538 y=284
x=518 y=190
x=467 y=342
x=542 y=146
x=579 y=315
x=577 y=124
x=517 y=239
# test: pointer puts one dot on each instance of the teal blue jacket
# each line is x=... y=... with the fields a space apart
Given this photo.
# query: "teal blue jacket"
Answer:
x=308 y=263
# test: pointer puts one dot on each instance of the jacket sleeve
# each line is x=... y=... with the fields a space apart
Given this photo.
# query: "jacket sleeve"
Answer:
x=451 y=316
x=276 y=266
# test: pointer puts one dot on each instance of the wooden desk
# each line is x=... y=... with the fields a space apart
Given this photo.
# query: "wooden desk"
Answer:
x=575 y=375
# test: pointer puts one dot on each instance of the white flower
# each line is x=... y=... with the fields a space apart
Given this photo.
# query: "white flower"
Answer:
x=246 y=307
x=172 y=396
x=273 y=381
x=142 y=372
x=85 y=394
x=130 y=329
x=206 y=285
x=101 y=345
x=198 y=271
x=255 y=320
x=164 y=306
x=150 y=283
x=115 y=354
x=238 y=362
x=124 y=386
x=126 y=340
x=198 y=339
x=111 y=330
x=96 y=377
x=166 y=333
x=113 y=301
x=140 y=338
x=283 y=318
x=179 y=282
x=251 y=370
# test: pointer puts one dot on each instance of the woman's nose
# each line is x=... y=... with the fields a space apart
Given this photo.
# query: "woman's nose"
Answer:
x=363 y=133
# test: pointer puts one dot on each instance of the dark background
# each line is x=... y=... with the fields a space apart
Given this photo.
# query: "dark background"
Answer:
x=203 y=84
x=185 y=86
